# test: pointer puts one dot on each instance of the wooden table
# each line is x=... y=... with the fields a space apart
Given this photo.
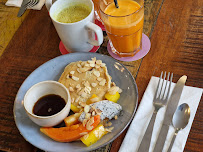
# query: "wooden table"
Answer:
x=174 y=27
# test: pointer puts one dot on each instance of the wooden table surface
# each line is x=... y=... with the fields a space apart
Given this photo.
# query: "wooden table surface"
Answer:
x=175 y=29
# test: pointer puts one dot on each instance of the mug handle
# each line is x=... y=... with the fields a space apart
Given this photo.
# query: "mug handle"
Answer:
x=98 y=32
x=48 y=4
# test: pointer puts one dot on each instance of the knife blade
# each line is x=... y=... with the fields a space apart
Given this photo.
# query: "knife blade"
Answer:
x=23 y=8
x=171 y=107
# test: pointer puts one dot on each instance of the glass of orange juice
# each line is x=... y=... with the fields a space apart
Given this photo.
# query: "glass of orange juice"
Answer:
x=123 y=25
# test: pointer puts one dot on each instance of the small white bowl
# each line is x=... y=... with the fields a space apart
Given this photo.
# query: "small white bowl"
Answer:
x=45 y=88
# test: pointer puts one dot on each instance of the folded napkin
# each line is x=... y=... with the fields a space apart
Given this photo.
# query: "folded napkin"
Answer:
x=190 y=95
x=17 y=3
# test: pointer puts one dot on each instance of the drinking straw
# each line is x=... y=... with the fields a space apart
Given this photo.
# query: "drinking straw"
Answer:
x=116 y=3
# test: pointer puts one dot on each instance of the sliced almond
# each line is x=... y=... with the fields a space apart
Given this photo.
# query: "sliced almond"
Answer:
x=91 y=121
x=83 y=133
x=78 y=86
x=92 y=65
x=83 y=104
x=86 y=83
x=113 y=84
x=77 y=99
x=72 y=72
x=79 y=65
x=99 y=62
x=97 y=66
x=96 y=99
x=86 y=108
x=87 y=90
x=79 y=107
x=91 y=62
x=103 y=65
x=83 y=94
x=116 y=117
x=78 y=69
x=75 y=78
x=94 y=59
x=113 y=90
x=96 y=73
x=78 y=90
x=87 y=65
x=72 y=100
x=109 y=129
x=102 y=83
x=99 y=79
x=71 y=89
x=93 y=113
x=120 y=90
x=89 y=127
x=93 y=84
x=83 y=63
x=84 y=122
x=85 y=69
x=87 y=116
x=98 y=111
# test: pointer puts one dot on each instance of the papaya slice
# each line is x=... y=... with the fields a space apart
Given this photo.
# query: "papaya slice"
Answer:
x=70 y=133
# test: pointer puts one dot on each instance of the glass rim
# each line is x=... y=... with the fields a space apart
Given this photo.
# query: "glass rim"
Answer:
x=122 y=15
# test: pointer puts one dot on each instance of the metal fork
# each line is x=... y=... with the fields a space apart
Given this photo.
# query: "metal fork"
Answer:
x=25 y=5
x=159 y=101
x=32 y=3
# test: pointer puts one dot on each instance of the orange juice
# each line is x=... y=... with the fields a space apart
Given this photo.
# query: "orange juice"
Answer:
x=124 y=26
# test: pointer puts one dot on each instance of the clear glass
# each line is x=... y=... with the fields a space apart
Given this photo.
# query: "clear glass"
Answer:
x=96 y=9
x=124 y=30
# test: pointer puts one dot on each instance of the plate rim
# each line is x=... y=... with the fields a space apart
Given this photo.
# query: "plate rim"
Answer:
x=130 y=120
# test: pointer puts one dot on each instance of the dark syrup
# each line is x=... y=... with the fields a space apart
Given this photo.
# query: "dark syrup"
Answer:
x=49 y=105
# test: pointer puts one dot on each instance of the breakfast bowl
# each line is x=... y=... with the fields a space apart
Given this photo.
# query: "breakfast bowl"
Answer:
x=39 y=105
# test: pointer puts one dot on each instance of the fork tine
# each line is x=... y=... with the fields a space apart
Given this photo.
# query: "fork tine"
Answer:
x=162 y=84
x=166 y=85
x=158 y=85
x=32 y=3
x=169 y=86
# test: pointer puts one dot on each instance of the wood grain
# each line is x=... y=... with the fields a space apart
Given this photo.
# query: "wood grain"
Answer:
x=9 y=23
x=35 y=42
x=177 y=47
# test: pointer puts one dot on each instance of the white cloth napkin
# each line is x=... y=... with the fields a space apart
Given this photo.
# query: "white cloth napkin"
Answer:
x=132 y=140
x=17 y=3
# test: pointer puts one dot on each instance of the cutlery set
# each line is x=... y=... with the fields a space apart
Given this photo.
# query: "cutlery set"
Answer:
x=180 y=117
x=25 y=4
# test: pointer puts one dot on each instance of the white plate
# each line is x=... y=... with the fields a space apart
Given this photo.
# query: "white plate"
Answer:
x=52 y=70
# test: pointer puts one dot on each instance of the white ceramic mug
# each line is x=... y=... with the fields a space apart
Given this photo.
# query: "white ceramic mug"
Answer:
x=78 y=36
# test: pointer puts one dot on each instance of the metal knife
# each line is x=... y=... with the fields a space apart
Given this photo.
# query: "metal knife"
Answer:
x=23 y=8
x=171 y=107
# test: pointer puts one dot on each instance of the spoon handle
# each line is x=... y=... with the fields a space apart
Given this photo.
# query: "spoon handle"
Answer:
x=172 y=141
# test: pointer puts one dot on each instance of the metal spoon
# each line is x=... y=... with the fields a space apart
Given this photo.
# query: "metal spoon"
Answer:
x=180 y=120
